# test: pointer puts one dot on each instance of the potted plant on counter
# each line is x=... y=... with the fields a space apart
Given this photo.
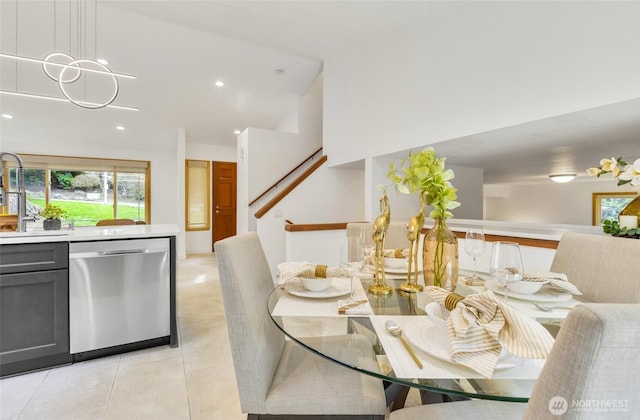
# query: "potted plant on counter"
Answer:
x=52 y=215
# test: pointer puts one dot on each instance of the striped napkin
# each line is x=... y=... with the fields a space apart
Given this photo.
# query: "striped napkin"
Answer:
x=479 y=326
x=291 y=270
x=558 y=282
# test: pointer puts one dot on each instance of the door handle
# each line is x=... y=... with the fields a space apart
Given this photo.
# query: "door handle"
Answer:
x=217 y=211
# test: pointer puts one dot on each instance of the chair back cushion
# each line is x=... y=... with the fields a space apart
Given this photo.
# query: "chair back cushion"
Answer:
x=396 y=233
x=604 y=268
x=256 y=343
x=592 y=371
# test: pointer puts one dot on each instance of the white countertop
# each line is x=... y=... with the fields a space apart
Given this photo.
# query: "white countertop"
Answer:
x=522 y=230
x=92 y=233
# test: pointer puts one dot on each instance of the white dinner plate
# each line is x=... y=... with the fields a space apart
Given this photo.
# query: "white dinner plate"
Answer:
x=403 y=270
x=540 y=296
x=339 y=287
x=423 y=333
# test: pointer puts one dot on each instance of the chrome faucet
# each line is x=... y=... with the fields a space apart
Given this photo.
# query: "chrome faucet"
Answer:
x=21 y=193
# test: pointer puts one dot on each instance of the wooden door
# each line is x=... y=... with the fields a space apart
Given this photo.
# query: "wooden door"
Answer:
x=224 y=200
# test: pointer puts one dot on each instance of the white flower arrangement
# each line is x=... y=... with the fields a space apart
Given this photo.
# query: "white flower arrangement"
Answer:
x=624 y=172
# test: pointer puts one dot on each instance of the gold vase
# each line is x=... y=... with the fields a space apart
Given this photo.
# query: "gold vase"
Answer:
x=632 y=208
x=440 y=257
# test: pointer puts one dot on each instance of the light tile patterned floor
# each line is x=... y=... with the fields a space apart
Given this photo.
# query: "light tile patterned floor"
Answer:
x=193 y=381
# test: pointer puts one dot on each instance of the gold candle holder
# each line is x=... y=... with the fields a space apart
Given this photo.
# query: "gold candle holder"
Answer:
x=413 y=234
x=411 y=287
x=379 y=286
x=379 y=233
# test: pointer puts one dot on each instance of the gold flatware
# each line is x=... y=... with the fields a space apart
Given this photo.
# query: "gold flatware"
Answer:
x=343 y=309
x=395 y=330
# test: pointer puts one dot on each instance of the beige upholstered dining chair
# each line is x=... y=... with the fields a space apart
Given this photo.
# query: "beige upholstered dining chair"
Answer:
x=604 y=268
x=279 y=378
x=593 y=363
x=396 y=233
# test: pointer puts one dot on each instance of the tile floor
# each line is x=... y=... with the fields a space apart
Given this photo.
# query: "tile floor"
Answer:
x=193 y=381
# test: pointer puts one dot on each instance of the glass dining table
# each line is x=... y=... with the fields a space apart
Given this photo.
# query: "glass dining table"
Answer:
x=315 y=324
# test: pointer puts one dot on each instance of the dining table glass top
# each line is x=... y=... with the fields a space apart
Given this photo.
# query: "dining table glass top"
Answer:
x=316 y=324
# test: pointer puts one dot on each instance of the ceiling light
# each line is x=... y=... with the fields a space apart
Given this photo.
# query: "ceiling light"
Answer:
x=7 y=116
x=236 y=132
x=219 y=83
x=280 y=71
x=102 y=61
x=120 y=127
x=562 y=178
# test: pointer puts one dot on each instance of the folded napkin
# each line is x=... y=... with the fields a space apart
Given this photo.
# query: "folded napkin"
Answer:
x=348 y=307
x=556 y=281
x=291 y=270
x=390 y=253
x=396 y=253
x=480 y=325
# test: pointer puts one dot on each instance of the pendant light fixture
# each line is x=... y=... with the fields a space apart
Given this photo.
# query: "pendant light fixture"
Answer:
x=71 y=74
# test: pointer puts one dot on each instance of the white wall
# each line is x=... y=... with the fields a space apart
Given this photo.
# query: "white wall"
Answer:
x=468 y=181
x=329 y=195
x=201 y=241
x=310 y=117
x=264 y=156
x=181 y=140
x=458 y=74
x=568 y=203
x=318 y=247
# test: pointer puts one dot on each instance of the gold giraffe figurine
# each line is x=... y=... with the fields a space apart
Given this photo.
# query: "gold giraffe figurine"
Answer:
x=380 y=226
x=413 y=233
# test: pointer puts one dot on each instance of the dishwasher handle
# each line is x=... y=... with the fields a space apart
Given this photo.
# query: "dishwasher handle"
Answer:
x=125 y=251
x=117 y=253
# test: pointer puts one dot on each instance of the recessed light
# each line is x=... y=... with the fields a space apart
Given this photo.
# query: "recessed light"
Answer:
x=280 y=71
x=562 y=178
x=219 y=83
x=102 y=61
x=7 y=116
x=236 y=132
x=120 y=127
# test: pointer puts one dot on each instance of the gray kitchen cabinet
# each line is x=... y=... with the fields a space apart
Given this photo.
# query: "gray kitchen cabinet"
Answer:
x=34 y=306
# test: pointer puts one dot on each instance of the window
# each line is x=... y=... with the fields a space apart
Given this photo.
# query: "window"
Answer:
x=89 y=189
x=607 y=205
x=197 y=188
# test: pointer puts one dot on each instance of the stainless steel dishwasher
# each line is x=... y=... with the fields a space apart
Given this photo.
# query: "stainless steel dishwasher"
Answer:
x=118 y=292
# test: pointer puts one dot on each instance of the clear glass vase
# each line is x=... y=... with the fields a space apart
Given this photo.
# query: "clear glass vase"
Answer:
x=440 y=257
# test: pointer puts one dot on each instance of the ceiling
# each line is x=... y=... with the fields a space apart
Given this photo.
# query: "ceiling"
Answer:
x=178 y=49
x=563 y=144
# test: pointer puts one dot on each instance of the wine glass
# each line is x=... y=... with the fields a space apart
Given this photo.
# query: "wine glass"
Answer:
x=506 y=264
x=350 y=258
x=474 y=246
x=367 y=248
